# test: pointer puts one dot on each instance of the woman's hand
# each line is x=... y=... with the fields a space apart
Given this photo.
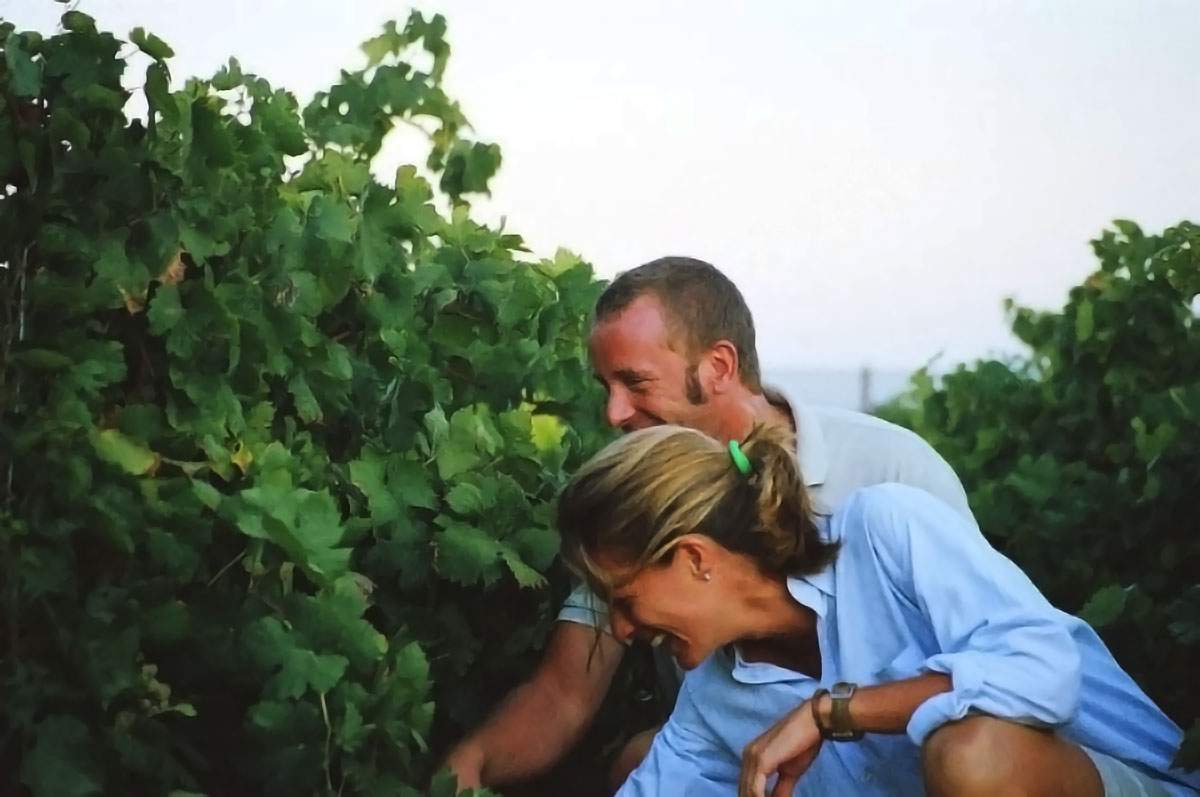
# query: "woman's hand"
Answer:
x=788 y=747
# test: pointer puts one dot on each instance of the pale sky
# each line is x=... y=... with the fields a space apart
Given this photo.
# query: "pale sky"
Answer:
x=875 y=175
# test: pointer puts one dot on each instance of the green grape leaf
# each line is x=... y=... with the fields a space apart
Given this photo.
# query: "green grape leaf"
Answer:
x=443 y=784
x=351 y=733
x=466 y=499
x=43 y=359
x=24 y=74
x=208 y=495
x=60 y=763
x=332 y=220
x=1084 y=321
x=124 y=452
x=467 y=555
x=547 y=432
x=455 y=458
x=78 y=22
x=368 y=476
x=538 y=545
x=306 y=402
x=411 y=482
x=525 y=575
x=150 y=44
x=229 y=76
x=1105 y=606
x=165 y=310
x=304 y=394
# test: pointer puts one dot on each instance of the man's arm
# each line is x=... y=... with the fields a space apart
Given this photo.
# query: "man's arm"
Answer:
x=542 y=718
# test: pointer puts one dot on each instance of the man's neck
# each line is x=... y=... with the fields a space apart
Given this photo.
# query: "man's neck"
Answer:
x=746 y=410
x=772 y=412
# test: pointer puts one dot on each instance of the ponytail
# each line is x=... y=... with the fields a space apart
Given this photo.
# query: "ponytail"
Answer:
x=642 y=492
x=786 y=536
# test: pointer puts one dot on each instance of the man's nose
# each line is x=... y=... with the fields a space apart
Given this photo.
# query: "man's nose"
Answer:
x=619 y=408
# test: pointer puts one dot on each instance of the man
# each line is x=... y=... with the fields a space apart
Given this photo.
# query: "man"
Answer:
x=673 y=342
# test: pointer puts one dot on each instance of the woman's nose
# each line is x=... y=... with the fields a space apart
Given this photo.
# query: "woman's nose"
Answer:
x=622 y=626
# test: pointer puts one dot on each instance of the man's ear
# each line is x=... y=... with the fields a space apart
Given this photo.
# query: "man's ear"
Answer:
x=721 y=362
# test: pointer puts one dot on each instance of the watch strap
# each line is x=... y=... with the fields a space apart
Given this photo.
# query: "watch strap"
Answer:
x=816 y=712
x=841 y=729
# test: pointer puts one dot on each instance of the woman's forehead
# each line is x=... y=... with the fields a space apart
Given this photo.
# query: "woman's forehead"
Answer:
x=611 y=566
x=608 y=577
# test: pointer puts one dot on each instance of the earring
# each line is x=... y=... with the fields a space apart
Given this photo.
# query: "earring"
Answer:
x=707 y=576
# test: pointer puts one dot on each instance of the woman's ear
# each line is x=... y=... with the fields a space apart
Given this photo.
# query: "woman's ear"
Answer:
x=696 y=553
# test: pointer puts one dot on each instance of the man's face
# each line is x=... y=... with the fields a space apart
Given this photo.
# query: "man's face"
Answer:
x=648 y=382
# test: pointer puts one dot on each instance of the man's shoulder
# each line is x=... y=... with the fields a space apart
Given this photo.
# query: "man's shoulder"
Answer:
x=835 y=421
x=843 y=428
x=841 y=450
x=838 y=417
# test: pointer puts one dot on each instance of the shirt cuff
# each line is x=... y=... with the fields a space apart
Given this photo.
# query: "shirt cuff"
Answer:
x=583 y=607
x=974 y=688
x=966 y=679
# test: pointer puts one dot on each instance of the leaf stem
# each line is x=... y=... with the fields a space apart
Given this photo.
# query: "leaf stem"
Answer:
x=222 y=571
x=328 y=742
x=19 y=284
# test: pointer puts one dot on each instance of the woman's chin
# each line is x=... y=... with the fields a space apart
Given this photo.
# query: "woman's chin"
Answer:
x=684 y=654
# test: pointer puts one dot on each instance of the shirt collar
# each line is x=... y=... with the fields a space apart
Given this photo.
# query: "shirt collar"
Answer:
x=814 y=591
x=810 y=442
x=811 y=450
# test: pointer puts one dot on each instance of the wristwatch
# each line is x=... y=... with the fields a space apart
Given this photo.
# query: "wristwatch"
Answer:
x=840 y=729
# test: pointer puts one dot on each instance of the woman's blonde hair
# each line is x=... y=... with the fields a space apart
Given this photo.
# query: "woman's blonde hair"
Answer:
x=641 y=493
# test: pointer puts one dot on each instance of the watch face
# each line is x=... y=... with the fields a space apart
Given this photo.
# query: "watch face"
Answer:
x=841 y=690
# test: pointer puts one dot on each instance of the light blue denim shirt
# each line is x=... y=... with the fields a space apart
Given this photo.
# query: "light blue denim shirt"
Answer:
x=915 y=587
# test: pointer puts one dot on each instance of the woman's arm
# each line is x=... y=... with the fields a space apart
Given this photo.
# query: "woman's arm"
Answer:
x=791 y=744
x=887 y=708
x=1003 y=649
x=685 y=757
x=1008 y=652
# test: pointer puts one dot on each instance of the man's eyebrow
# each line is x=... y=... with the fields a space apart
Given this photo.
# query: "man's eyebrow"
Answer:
x=631 y=375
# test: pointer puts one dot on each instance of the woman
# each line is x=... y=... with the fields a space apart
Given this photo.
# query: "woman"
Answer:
x=950 y=673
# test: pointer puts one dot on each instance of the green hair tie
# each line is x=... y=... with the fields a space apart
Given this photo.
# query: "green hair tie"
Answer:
x=740 y=461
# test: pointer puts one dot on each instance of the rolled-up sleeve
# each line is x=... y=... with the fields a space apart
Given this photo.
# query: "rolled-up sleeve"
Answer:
x=584 y=607
x=1008 y=652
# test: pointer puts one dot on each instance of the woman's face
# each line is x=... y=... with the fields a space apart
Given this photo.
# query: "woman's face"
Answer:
x=674 y=603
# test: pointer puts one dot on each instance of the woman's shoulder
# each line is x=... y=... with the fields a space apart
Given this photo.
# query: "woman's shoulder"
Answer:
x=885 y=514
x=876 y=503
